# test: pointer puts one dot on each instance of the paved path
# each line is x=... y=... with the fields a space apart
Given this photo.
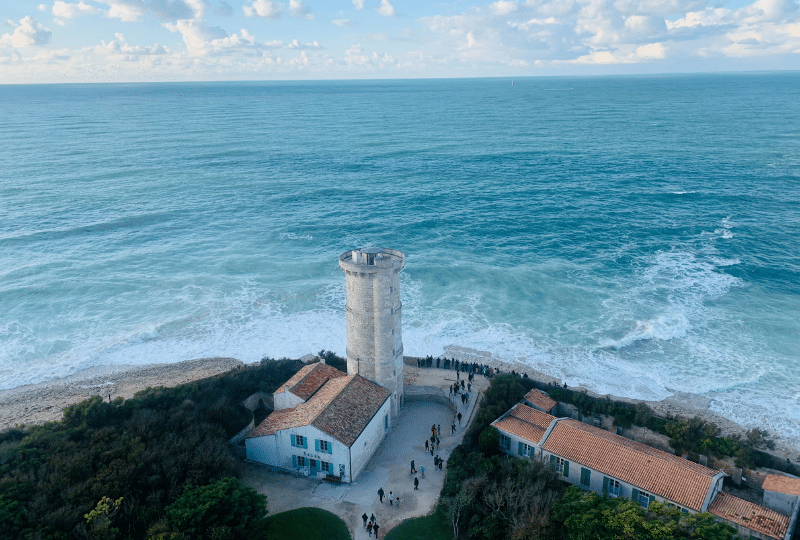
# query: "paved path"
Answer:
x=389 y=468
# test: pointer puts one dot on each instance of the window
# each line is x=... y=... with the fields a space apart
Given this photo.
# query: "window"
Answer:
x=300 y=461
x=325 y=466
x=505 y=442
x=299 y=441
x=586 y=477
x=324 y=446
x=642 y=498
x=559 y=465
x=611 y=486
x=386 y=422
x=524 y=449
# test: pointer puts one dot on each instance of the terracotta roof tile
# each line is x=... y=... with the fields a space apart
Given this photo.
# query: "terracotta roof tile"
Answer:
x=754 y=517
x=525 y=422
x=540 y=400
x=782 y=484
x=342 y=408
x=309 y=379
x=659 y=473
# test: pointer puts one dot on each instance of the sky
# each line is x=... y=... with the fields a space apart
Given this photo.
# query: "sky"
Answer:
x=229 y=40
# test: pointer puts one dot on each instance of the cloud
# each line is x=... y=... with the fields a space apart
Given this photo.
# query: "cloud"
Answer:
x=342 y=22
x=224 y=9
x=29 y=32
x=120 y=47
x=124 y=11
x=359 y=4
x=295 y=44
x=299 y=10
x=386 y=9
x=68 y=11
x=266 y=9
x=503 y=7
x=42 y=7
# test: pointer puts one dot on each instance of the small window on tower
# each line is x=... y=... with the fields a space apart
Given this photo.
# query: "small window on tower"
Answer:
x=391 y=289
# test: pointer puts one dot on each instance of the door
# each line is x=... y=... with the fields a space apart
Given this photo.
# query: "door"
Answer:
x=313 y=467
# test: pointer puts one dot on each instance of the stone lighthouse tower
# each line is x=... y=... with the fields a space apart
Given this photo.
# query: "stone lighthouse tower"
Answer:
x=374 y=336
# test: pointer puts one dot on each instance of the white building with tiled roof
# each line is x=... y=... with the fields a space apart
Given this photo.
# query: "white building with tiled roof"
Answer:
x=598 y=460
x=325 y=422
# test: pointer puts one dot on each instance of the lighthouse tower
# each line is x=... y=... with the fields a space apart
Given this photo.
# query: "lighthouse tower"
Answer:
x=374 y=336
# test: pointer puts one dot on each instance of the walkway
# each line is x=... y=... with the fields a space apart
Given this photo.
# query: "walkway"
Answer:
x=389 y=467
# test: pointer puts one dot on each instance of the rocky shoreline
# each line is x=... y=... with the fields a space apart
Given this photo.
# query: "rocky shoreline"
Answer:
x=45 y=402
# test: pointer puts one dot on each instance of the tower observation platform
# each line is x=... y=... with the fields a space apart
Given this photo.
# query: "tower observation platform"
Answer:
x=374 y=329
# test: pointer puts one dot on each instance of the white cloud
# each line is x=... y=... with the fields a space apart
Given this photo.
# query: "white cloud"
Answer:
x=27 y=33
x=503 y=7
x=386 y=9
x=120 y=47
x=295 y=44
x=68 y=11
x=265 y=9
x=299 y=10
x=124 y=11
x=42 y=7
x=359 y=4
x=342 y=22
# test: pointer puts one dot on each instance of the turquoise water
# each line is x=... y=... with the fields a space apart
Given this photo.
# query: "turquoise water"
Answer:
x=636 y=235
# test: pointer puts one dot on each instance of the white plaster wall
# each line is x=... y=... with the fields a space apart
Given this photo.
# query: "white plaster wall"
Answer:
x=264 y=450
x=780 y=502
x=286 y=400
x=277 y=450
x=369 y=440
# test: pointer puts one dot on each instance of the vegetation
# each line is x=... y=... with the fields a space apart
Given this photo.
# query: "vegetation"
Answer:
x=120 y=469
x=432 y=527
x=584 y=515
x=301 y=524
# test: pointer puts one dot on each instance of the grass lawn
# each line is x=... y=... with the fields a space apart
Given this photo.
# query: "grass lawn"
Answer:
x=301 y=524
x=433 y=527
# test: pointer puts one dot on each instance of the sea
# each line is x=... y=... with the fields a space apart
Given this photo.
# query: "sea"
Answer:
x=634 y=235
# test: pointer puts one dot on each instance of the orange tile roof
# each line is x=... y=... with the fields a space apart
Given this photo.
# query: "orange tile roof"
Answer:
x=754 y=517
x=342 y=408
x=782 y=484
x=541 y=400
x=659 y=473
x=309 y=379
x=525 y=422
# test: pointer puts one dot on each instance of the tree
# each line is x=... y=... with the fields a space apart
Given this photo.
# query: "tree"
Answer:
x=489 y=441
x=224 y=509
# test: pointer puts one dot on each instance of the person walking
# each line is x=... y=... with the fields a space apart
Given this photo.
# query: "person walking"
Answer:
x=426 y=444
x=438 y=429
x=397 y=500
x=431 y=450
x=459 y=419
x=437 y=443
x=369 y=528
x=422 y=470
x=413 y=469
x=375 y=528
x=380 y=494
x=365 y=518
x=453 y=428
x=416 y=483
x=391 y=499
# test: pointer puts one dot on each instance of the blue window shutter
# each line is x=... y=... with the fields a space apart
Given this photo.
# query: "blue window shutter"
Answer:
x=330 y=447
x=635 y=495
x=519 y=448
x=294 y=461
x=586 y=476
x=552 y=461
x=305 y=442
x=316 y=445
x=566 y=468
x=605 y=485
x=651 y=500
x=292 y=439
